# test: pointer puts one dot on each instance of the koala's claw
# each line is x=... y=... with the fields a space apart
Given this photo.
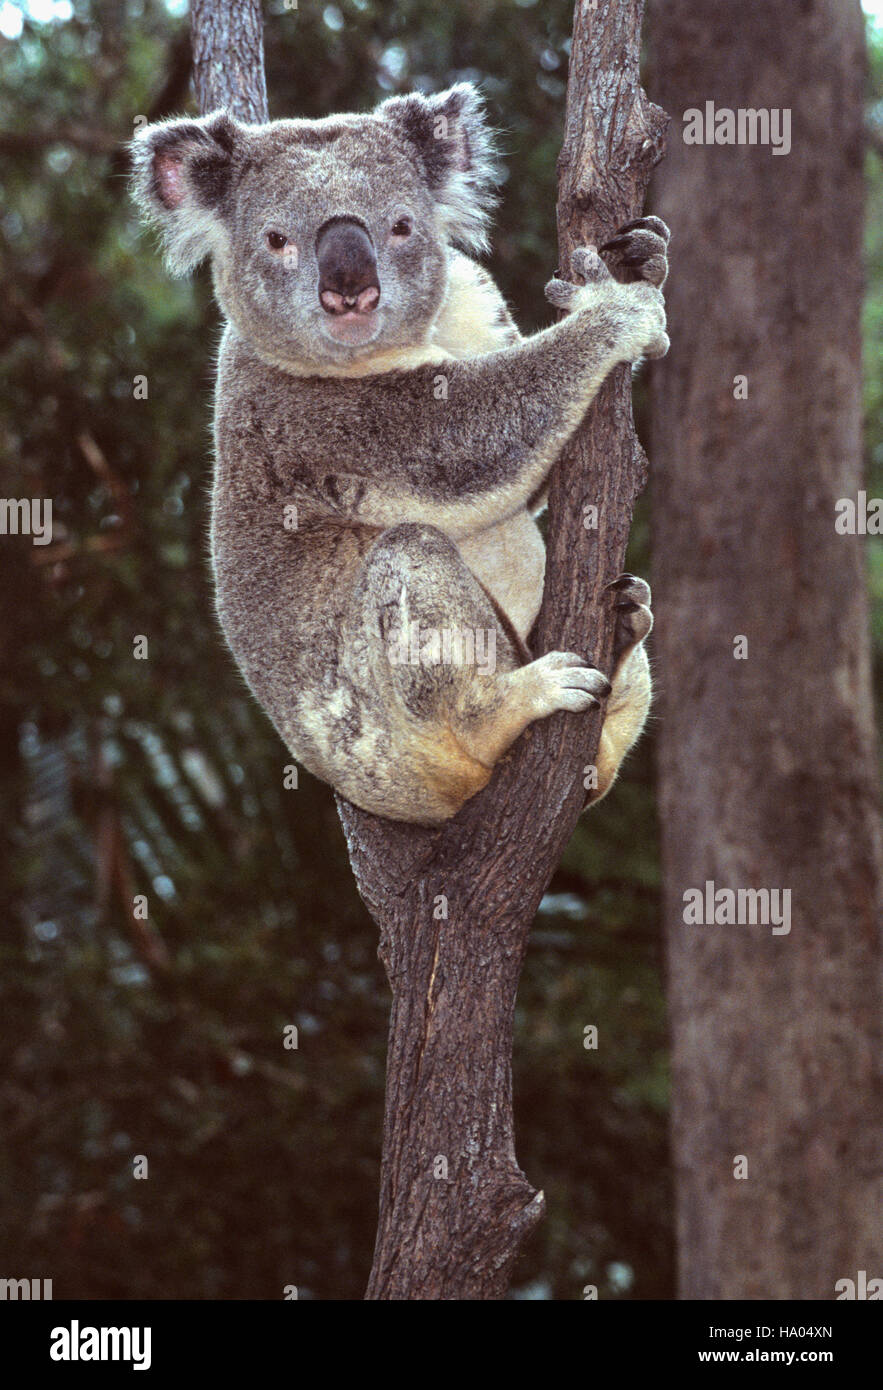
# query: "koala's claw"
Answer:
x=634 y=619
x=650 y=224
x=640 y=249
x=638 y=588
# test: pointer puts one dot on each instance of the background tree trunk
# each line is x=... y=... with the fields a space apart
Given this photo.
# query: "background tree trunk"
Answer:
x=228 y=57
x=768 y=771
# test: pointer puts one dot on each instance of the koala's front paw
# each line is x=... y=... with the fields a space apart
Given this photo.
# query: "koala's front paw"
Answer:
x=639 y=251
x=563 y=680
x=643 y=323
x=634 y=619
x=637 y=309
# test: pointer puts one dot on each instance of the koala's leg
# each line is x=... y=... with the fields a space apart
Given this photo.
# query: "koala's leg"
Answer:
x=423 y=645
x=629 y=701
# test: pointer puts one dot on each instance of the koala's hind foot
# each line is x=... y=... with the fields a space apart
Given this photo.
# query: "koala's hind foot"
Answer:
x=440 y=686
x=629 y=700
x=634 y=620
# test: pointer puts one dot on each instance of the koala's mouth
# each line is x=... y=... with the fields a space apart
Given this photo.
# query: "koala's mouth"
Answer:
x=353 y=328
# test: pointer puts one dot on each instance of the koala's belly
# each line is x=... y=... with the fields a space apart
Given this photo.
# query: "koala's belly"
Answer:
x=510 y=561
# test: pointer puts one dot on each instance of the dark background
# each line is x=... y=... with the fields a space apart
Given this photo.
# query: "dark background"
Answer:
x=120 y=777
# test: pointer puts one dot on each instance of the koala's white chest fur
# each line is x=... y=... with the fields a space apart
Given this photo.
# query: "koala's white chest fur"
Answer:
x=510 y=561
x=509 y=558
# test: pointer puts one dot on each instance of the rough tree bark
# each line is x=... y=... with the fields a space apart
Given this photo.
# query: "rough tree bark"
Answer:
x=768 y=765
x=455 y=907
x=228 y=57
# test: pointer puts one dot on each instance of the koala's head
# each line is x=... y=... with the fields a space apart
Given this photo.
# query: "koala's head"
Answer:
x=329 y=239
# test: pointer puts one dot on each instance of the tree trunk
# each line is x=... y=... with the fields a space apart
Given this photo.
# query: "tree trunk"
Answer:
x=768 y=772
x=455 y=907
x=228 y=57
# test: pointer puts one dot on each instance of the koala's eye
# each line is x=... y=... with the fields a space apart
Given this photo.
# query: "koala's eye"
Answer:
x=402 y=228
x=276 y=241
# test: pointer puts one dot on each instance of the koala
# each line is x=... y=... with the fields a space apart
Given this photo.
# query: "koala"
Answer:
x=384 y=437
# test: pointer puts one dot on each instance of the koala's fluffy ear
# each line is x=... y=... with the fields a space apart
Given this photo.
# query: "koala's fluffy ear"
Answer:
x=456 y=146
x=182 y=174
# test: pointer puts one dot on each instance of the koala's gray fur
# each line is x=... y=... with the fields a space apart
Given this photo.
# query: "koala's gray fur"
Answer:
x=409 y=425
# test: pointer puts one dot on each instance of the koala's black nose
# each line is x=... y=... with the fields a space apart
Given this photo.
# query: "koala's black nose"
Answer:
x=348 y=280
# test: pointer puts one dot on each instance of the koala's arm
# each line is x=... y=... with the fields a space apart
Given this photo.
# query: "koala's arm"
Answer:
x=463 y=444
x=476 y=318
